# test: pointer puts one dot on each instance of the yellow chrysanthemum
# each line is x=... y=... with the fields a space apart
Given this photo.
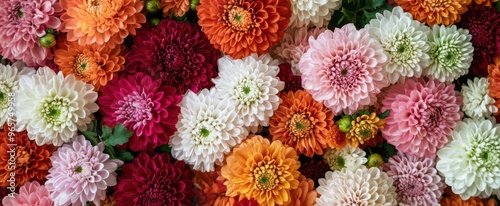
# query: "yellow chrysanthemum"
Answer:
x=364 y=128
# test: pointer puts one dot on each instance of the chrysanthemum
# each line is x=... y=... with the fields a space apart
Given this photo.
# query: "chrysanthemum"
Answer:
x=477 y=101
x=207 y=129
x=364 y=128
x=356 y=186
x=294 y=44
x=177 y=53
x=456 y=200
x=337 y=138
x=80 y=172
x=101 y=22
x=90 y=63
x=301 y=123
x=416 y=180
x=484 y=26
x=432 y=12
x=422 y=115
x=154 y=180
x=307 y=13
x=404 y=39
x=9 y=80
x=143 y=106
x=32 y=162
x=252 y=85
x=343 y=69
x=52 y=108
x=471 y=161
x=346 y=157
x=22 y=22
x=31 y=193
x=176 y=7
x=108 y=201
x=305 y=194
x=450 y=53
x=262 y=170
x=292 y=82
x=494 y=80
x=242 y=27
x=314 y=168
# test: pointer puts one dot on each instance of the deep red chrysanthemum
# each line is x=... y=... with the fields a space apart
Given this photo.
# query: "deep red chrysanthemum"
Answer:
x=154 y=180
x=484 y=26
x=178 y=53
x=314 y=169
x=143 y=106
x=292 y=82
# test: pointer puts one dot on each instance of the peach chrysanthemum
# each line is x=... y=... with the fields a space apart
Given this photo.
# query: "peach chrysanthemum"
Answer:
x=262 y=170
x=305 y=194
x=364 y=128
x=432 y=12
x=242 y=27
x=101 y=21
x=32 y=162
x=494 y=80
x=176 y=7
x=302 y=123
x=89 y=63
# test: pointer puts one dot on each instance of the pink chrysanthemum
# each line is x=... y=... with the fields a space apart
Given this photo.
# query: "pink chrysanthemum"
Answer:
x=343 y=69
x=80 y=172
x=142 y=105
x=154 y=181
x=31 y=193
x=416 y=179
x=22 y=22
x=292 y=82
x=295 y=43
x=422 y=115
x=178 y=53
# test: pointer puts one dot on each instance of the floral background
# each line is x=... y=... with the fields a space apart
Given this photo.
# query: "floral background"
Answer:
x=249 y=102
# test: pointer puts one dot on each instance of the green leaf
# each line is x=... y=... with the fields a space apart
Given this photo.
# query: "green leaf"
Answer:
x=385 y=114
x=124 y=155
x=164 y=148
x=91 y=136
x=110 y=151
x=377 y=3
x=498 y=6
x=120 y=136
x=106 y=132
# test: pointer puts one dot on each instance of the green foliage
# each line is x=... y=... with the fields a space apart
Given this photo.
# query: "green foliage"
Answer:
x=358 y=12
x=110 y=137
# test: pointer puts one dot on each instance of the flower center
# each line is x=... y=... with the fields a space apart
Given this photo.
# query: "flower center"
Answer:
x=481 y=35
x=403 y=50
x=205 y=132
x=247 y=91
x=55 y=111
x=22 y=156
x=345 y=71
x=20 y=12
x=485 y=153
x=446 y=54
x=411 y=186
x=80 y=65
x=266 y=176
x=238 y=18
x=206 y=129
x=97 y=7
x=79 y=169
x=136 y=109
x=299 y=125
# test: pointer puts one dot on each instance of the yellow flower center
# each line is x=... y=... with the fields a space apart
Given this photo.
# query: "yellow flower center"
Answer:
x=22 y=156
x=80 y=65
x=101 y=8
x=238 y=18
x=299 y=125
x=266 y=176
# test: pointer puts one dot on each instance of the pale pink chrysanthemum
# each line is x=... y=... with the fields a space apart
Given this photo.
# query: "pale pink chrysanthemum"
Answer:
x=416 y=179
x=422 y=115
x=80 y=172
x=22 y=22
x=343 y=69
x=294 y=44
x=31 y=193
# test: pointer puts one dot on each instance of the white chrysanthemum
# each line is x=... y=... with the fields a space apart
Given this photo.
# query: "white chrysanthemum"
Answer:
x=307 y=13
x=359 y=186
x=9 y=78
x=252 y=84
x=477 y=101
x=52 y=108
x=208 y=128
x=470 y=162
x=450 y=53
x=350 y=157
x=404 y=39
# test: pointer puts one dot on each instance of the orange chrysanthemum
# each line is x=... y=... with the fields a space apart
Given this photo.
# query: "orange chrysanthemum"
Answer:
x=337 y=139
x=241 y=27
x=302 y=123
x=305 y=194
x=432 y=12
x=91 y=64
x=108 y=201
x=32 y=162
x=177 y=7
x=263 y=171
x=101 y=21
x=455 y=200
x=364 y=128
x=494 y=80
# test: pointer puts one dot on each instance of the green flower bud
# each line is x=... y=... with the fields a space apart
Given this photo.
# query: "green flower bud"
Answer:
x=152 y=6
x=48 y=40
x=154 y=21
x=193 y=4
x=345 y=124
x=374 y=160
